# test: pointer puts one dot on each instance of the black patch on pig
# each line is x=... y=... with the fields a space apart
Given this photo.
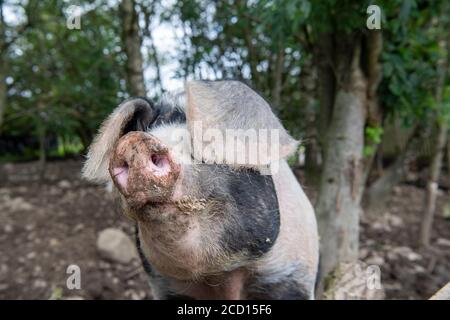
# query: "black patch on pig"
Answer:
x=145 y=264
x=156 y=280
x=252 y=223
x=145 y=114
x=284 y=290
x=279 y=285
x=319 y=269
x=168 y=114
x=150 y=115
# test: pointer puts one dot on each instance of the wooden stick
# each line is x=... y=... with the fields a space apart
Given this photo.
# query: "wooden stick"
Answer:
x=443 y=294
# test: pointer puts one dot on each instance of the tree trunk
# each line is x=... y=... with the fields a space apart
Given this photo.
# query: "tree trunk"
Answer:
x=308 y=81
x=375 y=111
x=436 y=162
x=326 y=85
x=132 y=45
x=448 y=156
x=42 y=151
x=313 y=156
x=380 y=190
x=342 y=183
x=338 y=205
x=3 y=91
x=433 y=186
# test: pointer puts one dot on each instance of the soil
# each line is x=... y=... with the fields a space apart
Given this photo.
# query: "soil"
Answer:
x=52 y=224
x=47 y=225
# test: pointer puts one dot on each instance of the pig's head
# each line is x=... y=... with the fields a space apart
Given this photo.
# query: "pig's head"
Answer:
x=198 y=214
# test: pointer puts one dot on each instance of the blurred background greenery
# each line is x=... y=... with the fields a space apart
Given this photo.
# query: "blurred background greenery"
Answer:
x=62 y=82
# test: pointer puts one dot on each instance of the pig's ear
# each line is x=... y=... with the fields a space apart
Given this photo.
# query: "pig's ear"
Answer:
x=233 y=105
x=135 y=114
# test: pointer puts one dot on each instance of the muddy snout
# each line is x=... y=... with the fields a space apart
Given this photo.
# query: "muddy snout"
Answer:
x=142 y=169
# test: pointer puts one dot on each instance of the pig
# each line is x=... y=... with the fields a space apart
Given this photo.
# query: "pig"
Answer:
x=208 y=228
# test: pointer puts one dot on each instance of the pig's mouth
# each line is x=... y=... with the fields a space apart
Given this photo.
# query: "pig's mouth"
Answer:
x=186 y=205
x=169 y=211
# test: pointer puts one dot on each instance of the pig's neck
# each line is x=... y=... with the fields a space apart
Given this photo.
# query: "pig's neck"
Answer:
x=226 y=286
x=179 y=249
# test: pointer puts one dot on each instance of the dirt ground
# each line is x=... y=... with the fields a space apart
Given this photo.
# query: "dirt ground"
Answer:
x=45 y=226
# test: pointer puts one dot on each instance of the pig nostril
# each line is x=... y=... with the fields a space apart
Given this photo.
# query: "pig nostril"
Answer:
x=121 y=175
x=159 y=164
x=159 y=161
x=120 y=170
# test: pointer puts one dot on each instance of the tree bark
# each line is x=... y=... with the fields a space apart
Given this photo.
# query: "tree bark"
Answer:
x=448 y=156
x=42 y=151
x=3 y=89
x=338 y=205
x=132 y=44
x=433 y=186
x=375 y=113
x=42 y=135
x=342 y=183
x=308 y=82
x=436 y=162
x=326 y=85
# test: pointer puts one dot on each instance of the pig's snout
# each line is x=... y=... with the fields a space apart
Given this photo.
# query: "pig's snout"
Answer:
x=142 y=169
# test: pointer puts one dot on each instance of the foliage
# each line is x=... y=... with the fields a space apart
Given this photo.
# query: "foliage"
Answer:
x=412 y=33
x=64 y=81
x=373 y=138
